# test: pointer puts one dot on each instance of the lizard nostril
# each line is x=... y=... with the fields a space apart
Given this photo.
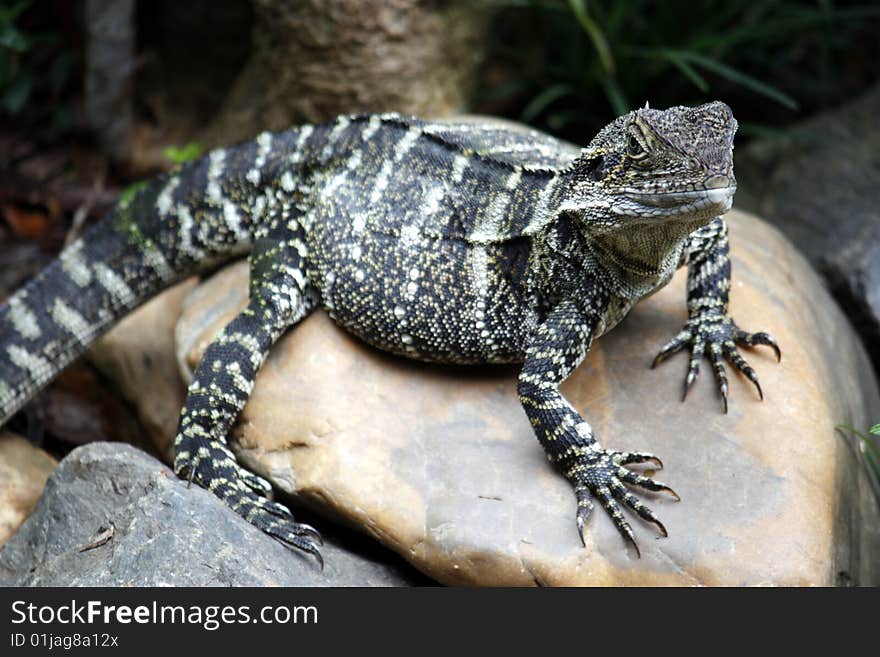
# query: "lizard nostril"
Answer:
x=718 y=181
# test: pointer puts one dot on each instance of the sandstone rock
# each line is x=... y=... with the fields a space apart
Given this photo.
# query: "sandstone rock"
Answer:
x=136 y=356
x=23 y=473
x=142 y=526
x=818 y=183
x=441 y=465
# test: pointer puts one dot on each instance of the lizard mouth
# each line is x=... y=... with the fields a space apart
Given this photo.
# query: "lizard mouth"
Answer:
x=709 y=192
x=687 y=201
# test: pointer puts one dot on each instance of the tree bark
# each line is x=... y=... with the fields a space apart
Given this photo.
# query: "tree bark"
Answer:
x=108 y=73
x=314 y=59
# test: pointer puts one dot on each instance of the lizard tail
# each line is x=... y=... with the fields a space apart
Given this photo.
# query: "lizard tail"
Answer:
x=153 y=238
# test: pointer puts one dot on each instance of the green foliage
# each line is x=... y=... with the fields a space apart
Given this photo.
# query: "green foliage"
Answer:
x=870 y=447
x=10 y=36
x=127 y=195
x=15 y=85
x=31 y=65
x=182 y=154
x=570 y=65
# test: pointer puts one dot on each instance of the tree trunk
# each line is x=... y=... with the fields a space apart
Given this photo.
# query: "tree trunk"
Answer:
x=314 y=59
x=108 y=73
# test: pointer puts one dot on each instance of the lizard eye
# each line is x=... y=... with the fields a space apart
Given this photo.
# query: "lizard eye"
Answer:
x=634 y=148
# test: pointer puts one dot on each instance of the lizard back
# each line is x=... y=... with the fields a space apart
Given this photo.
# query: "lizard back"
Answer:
x=418 y=234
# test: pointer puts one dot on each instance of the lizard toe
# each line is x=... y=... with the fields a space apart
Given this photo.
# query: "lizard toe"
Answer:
x=600 y=474
x=715 y=335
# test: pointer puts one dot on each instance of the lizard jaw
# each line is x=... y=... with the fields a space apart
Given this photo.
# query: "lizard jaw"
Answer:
x=722 y=197
x=717 y=199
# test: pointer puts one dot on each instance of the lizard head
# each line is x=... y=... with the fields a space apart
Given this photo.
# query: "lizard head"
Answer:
x=648 y=180
x=657 y=165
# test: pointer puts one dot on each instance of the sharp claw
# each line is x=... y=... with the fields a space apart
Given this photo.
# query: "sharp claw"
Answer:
x=689 y=381
x=762 y=339
x=638 y=458
x=632 y=540
x=672 y=492
x=770 y=341
x=659 y=358
x=760 y=392
x=661 y=528
x=308 y=530
x=583 y=512
x=311 y=548
x=723 y=389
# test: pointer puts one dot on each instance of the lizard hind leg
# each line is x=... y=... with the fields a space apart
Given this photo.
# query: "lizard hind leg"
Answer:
x=279 y=297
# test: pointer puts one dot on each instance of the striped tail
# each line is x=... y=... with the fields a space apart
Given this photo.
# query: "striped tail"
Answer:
x=157 y=234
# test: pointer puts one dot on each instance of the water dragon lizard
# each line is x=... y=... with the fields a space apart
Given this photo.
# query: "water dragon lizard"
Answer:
x=447 y=242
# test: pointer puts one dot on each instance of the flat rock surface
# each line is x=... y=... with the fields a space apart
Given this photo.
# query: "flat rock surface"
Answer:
x=441 y=465
x=23 y=473
x=112 y=515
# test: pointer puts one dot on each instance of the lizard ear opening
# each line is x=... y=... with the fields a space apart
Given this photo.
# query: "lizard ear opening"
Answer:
x=591 y=165
x=594 y=168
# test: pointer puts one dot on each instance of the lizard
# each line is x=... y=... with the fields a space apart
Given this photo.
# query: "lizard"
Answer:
x=459 y=242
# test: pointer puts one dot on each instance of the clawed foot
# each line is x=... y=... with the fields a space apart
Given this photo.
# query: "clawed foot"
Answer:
x=601 y=473
x=246 y=494
x=278 y=522
x=717 y=336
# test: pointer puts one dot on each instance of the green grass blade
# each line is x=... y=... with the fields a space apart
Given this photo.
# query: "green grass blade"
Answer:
x=11 y=12
x=738 y=77
x=594 y=32
x=686 y=69
x=845 y=427
x=543 y=100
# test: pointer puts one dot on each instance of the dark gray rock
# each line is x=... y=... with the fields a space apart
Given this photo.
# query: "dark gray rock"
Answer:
x=163 y=534
x=819 y=184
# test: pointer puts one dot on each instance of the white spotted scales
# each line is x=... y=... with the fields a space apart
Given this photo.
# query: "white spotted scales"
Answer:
x=448 y=242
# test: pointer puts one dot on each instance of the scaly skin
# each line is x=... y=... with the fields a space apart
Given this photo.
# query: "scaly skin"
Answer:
x=456 y=243
x=710 y=329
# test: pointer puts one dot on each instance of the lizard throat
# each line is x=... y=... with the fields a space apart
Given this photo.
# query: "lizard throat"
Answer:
x=640 y=260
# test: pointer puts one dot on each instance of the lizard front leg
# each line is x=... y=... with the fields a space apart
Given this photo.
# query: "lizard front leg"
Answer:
x=710 y=329
x=558 y=345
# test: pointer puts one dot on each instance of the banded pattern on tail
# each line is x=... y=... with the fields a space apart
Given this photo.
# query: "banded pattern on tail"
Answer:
x=158 y=233
x=64 y=309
